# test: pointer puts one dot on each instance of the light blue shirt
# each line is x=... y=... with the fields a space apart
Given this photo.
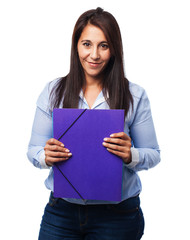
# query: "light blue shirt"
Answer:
x=138 y=125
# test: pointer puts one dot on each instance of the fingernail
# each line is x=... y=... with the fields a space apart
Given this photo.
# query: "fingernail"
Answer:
x=62 y=145
x=104 y=143
x=112 y=135
x=105 y=139
x=67 y=150
x=69 y=154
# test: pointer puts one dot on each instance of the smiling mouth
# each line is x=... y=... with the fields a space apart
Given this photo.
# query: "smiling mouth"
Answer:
x=92 y=64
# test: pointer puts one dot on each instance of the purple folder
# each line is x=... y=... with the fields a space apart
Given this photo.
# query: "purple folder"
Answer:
x=92 y=172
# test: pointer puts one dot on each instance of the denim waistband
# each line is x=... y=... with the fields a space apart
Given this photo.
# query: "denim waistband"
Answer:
x=128 y=203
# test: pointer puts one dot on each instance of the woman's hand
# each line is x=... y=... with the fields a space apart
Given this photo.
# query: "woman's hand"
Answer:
x=120 y=145
x=55 y=152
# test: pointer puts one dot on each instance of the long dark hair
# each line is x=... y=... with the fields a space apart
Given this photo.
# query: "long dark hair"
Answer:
x=115 y=85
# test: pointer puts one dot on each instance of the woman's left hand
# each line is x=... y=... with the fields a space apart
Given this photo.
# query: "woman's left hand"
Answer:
x=120 y=145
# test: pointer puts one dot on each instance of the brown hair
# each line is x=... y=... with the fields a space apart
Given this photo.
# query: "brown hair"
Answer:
x=115 y=84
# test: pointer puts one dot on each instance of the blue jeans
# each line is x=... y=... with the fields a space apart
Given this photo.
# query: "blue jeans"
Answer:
x=64 y=220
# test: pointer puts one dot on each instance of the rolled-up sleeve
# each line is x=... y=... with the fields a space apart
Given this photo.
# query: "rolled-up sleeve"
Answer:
x=146 y=149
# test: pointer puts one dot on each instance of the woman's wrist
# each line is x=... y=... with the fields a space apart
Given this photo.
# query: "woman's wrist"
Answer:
x=128 y=159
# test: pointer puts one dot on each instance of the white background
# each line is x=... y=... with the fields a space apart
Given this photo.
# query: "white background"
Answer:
x=35 y=49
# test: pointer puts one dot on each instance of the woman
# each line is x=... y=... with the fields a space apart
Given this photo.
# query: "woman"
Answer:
x=96 y=81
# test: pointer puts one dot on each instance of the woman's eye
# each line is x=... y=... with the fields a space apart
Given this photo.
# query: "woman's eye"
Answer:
x=86 y=44
x=104 y=46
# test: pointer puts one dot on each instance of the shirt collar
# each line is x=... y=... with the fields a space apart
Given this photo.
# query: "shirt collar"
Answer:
x=100 y=99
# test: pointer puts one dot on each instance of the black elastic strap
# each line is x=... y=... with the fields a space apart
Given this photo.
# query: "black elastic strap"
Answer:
x=72 y=124
x=69 y=182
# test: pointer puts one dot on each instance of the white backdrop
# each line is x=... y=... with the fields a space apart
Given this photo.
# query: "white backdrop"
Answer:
x=35 y=49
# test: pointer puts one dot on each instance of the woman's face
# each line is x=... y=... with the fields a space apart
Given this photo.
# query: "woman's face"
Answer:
x=93 y=51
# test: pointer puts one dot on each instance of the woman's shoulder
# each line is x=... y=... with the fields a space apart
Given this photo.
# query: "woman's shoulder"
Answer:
x=53 y=83
x=136 y=90
x=43 y=100
x=141 y=104
x=49 y=87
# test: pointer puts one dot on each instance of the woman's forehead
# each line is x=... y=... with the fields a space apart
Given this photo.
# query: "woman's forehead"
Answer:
x=92 y=33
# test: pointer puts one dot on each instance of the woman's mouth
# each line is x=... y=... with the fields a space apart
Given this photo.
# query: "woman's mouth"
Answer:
x=94 y=64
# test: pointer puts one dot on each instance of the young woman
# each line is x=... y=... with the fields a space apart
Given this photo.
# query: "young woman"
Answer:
x=96 y=81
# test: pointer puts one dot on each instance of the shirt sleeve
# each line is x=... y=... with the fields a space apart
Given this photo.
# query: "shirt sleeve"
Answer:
x=41 y=131
x=145 y=152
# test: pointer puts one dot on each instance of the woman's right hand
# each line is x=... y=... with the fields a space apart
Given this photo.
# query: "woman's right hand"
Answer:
x=55 y=151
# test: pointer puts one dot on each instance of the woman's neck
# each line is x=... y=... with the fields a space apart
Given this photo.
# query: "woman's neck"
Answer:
x=91 y=91
x=93 y=82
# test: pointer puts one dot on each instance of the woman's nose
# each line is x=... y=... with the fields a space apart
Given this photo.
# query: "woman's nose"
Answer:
x=95 y=53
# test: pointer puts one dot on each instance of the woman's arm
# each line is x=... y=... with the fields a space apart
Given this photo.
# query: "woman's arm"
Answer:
x=41 y=133
x=145 y=152
x=43 y=150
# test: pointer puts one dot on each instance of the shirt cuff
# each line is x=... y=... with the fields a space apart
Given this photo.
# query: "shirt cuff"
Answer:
x=42 y=161
x=135 y=158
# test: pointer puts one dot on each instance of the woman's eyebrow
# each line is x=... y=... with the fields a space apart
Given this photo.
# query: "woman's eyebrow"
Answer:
x=86 y=40
x=104 y=42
